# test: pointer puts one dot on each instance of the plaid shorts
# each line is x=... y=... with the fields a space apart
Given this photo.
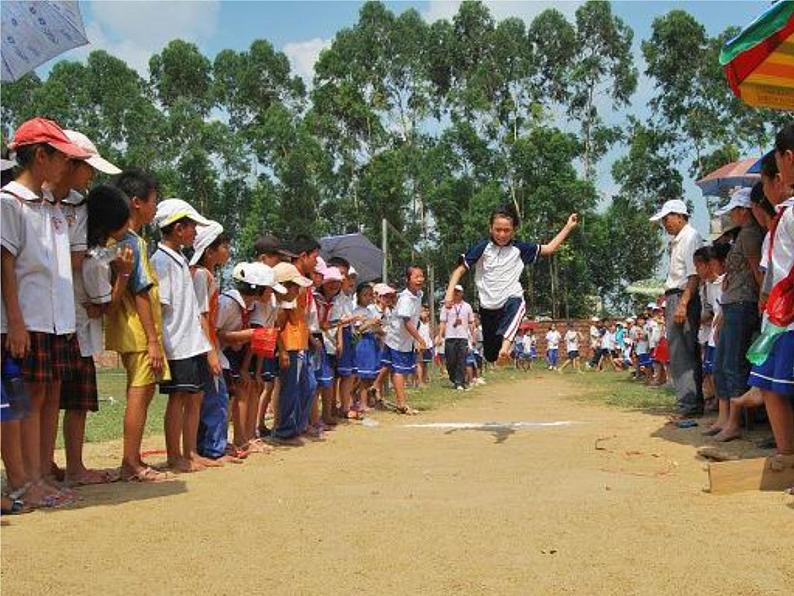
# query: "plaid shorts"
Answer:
x=80 y=392
x=51 y=358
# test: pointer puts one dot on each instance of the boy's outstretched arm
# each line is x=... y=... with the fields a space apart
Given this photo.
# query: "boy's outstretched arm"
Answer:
x=551 y=247
x=454 y=280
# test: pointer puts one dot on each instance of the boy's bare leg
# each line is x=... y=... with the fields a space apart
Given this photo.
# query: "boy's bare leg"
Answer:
x=345 y=396
x=192 y=416
x=252 y=410
x=781 y=419
x=237 y=427
x=174 y=427
x=733 y=428
x=73 y=439
x=399 y=389
x=327 y=396
x=11 y=447
x=50 y=413
x=504 y=351
x=138 y=400
x=31 y=428
x=264 y=403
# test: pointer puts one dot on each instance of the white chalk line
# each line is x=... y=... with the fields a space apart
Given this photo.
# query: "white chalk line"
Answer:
x=491 y=425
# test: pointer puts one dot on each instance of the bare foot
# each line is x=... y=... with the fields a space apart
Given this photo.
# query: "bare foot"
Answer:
x=184 y=466
x=727 y=435
x=87 y=477
x=207 y=462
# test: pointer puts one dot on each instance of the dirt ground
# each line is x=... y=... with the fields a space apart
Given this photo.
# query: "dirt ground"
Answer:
x=393 y=509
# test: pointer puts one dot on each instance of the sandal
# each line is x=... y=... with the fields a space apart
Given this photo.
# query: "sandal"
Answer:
x=407 y=410
x=18 y=506
x=147 y=475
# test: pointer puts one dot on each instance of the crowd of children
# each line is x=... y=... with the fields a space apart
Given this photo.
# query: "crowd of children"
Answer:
x=290 y=335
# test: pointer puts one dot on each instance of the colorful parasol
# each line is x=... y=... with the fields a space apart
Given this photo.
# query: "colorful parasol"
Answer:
x=759 y=62
x=729 y=176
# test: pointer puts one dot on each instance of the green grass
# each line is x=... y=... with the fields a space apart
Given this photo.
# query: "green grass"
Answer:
x=616 y=389
x=107 y=424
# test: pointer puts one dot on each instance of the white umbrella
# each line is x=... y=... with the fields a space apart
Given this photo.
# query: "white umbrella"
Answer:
x=34 y=32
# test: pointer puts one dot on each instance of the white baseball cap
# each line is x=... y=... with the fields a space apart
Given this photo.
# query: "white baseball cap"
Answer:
x=739 y=198
x=257 y=275
x=321 y=266
x=95 y=160
x=672 y=206
x=458 y=288
x=205 y=236
x=651 y=305
x=172 y=210
x=595 y=319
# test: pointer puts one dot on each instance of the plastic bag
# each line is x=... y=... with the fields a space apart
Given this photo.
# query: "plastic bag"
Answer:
x=780 y=304
x=263 y=342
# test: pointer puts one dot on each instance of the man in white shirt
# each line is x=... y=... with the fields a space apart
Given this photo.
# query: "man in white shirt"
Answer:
x=455 y=327
x=553 y=338
x=683 y=307
x=572 y=339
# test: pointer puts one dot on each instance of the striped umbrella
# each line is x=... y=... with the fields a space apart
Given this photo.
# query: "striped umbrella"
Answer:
x=729 y=176
x=759 y=62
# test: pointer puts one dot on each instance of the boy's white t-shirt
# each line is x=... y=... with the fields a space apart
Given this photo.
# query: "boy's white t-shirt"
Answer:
x=529 y=342
x=572 y=341
x=553 y=340
x=424 y=331
x=230 y=318
x=608 y=341
x=653 y=331
x=183 y=336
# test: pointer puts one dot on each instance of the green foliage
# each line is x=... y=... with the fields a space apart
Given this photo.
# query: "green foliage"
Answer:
x=429 y=125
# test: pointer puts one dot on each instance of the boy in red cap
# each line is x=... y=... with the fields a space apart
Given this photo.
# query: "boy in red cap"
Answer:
x=38 y=313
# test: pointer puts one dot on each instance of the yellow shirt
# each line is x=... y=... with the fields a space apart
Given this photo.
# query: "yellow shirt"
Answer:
x=295 y=333
x=123 y=329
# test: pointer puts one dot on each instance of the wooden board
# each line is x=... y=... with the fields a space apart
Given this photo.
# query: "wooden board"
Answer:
x=764 y=473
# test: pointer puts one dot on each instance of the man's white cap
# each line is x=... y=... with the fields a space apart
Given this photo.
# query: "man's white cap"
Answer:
x=739 y=198
x=672 y=206
x=96 y=161
x=205 y=236
x=321 y=266
x=595 y=319
x=651 y=305
x=352 y=272
x=458 y=288
x=257 y=274
x=172 y=210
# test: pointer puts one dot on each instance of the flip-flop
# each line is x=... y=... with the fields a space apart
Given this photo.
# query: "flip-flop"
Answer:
x=711 y=432
x=727 y=439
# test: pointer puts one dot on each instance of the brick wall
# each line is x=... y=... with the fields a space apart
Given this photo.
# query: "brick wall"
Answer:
x=581 y=325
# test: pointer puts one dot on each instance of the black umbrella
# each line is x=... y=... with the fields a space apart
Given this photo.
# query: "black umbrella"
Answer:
x=358 y=250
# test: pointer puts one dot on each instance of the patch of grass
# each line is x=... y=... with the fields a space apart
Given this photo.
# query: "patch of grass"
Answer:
x=108 y=423
x=440 y=392
x=616 y=389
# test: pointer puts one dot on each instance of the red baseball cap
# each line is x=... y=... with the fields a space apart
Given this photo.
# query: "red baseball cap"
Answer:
x=41 y=130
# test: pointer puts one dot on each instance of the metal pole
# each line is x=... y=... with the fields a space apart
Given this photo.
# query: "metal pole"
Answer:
x=385 y=246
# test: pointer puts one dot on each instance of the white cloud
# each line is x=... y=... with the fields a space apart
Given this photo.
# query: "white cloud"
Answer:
x=303 y=55
x=501 y=9
x=133 y=31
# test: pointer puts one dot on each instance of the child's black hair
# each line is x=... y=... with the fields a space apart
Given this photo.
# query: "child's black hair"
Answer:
x=169 y=229
x=339 y=262
x=720 y=251
x=784 y=140
x=303 y=243
x=27 y=153
x=704 y=253
x=758 y=197
x=135 y=183
x=247 y=289
x=506 y=210
x=108 y=210
x=769 y=165
x=361 y=287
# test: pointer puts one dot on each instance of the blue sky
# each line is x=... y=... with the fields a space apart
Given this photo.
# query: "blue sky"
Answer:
x=134 y=30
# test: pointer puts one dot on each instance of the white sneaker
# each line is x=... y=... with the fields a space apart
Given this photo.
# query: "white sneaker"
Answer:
x=459 y=388
x=480 y=381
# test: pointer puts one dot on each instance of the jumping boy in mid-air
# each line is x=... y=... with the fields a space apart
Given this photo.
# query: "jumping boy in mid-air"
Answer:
x=498 y=263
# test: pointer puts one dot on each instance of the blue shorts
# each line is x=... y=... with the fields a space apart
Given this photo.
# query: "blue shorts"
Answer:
x=644 y=360
x=777 y=373
x=551 y=356
x=269 y=369
x=346 y=361
x=323 y=366
x=572 y=354
x=403 y=363
x=708 y=359
x=427 y=355
x=367 y=357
